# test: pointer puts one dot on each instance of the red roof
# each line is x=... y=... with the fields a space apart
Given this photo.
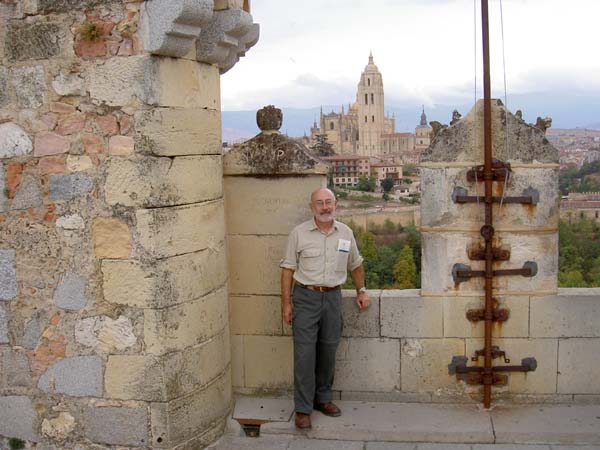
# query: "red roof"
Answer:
x=342 y=157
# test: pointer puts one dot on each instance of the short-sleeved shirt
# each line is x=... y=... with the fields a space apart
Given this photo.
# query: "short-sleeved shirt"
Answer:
x=318 y=258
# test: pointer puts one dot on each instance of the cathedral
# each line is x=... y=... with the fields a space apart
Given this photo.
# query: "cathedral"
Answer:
x=364 y=129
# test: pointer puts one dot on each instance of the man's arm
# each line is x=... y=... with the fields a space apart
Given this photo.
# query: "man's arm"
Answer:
x=286 y=295
x=362 y=298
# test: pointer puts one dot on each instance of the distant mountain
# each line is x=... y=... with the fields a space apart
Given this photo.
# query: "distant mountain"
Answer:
x=567 y=111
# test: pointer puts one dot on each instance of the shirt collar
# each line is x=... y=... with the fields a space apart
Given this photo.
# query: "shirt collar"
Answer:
x=314 y=226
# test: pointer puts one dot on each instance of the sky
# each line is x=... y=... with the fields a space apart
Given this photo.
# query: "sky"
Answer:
x=311 y=52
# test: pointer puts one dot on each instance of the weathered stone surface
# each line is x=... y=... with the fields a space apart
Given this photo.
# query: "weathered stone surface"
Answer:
x=254 y=264
x=578 y=369
x=3 y=196
x=121 y=145
x=112 y=238
x=154 y=182
x=8 y=274
x=166 y=282
x=120 y=80
x=63 y=6
x=462 y=141
x=105 y=334
x=268 y=362
x=237 y=360
x=17 y=418
x=70 y=222
x=51 y=165
x=252 y=314
x=32 y=332
x=30 y=86
x=165 y=232
x=71 y=124
x=457 y=325
x=3 y=324
x=68 y=187
x=283 y=203
x=179 y=420
x=68 y=84
x=424 y=365
x=4 y=93
x=78 y=376
x=542 y=380
x=70 y=292
x=178 y=327
x=368 y=365
x=360 y=323
x=28 y=195
x=116 y=425
x=49 y=143
x=228 y=4
x=175 y=132
x=13 y=140
x=60 y=427
x=136 y=377
x=14 y=368
x=33 y=40
x=93 y=144
x=406 y=314
x=566 y=315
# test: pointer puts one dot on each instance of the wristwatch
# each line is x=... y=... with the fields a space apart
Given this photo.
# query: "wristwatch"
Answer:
x=362 y=290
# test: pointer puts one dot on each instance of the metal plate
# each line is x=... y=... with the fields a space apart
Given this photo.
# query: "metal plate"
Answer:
x=263 y=409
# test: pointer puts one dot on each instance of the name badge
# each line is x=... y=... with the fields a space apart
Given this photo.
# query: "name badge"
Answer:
x=343 y=245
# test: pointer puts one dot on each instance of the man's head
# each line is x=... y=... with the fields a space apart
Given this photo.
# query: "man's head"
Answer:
x=323 y=204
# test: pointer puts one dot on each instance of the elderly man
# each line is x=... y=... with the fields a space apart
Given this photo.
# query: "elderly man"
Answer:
x=319 y=254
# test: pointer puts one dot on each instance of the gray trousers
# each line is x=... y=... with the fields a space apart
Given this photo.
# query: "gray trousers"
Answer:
x=317 y=329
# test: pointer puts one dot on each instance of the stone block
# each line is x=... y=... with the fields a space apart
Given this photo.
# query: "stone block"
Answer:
x=237 y=361
x=59 y=427
x=49 y=143
x=112 y=238
x=283 y=203
x=121 y=145
x=14 y=368
x=404 y=313
x=4 y=92
x=545 y=351
x=165 y=232
x=17 y=418
x=70 y=292
x=68 y=187
x=254 y=264
x=79 y=163
x=424 y=365
x=3 y=324
x=68 y=84
x=30 y=86
x=268 y=362
x=121 y=80
x=457 y=325
x=13 y=140
x=78 y=376
x=358 y=323
x=176 y=132
x=32 y=332
x=39 y=40
x=3 y=196
x=164 y=282
x=572 y=315
x=135 y=377
x=28 y=195
x=578 y=367
x=70 y=222
x=8 y=274
x=442 y=250
x=104 y=334
x=65 y=6
x=368 y=365
x=116 y=425
x=185 y=325
x=439 y=210
x=253 y=314
x=184 y=418
x=155 y=182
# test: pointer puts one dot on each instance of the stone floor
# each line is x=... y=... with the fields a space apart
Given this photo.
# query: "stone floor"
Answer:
x=418 y=426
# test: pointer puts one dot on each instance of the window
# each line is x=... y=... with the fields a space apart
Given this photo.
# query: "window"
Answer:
x=372 y=99
x=372 y=118
x=366 y=99
x=365 y=119
x=331 y=126
x=368 y=82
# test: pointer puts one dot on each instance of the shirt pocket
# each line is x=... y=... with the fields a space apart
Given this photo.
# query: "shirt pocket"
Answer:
x=310 y=259
x=341 y=261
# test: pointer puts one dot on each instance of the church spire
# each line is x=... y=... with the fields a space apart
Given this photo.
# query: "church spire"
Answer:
x=423 y=118
x=370 y=57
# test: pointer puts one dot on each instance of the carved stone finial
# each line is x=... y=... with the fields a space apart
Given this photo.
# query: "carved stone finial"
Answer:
x=455 y=117
x=543 y=123
x=269 y=119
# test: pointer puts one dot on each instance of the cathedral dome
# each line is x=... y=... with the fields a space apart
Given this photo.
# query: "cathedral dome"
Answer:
x=371 y=67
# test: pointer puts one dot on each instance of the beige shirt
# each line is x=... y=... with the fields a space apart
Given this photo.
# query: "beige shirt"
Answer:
x=318 y=258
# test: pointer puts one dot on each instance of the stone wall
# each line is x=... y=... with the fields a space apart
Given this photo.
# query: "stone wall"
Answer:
x=114 y=325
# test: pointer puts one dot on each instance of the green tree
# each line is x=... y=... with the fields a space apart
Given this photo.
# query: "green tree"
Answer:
x=409 y=170
x=571 y=279
x=322 y=147
x=367 y=184
x=387 y=184
x=405 y=270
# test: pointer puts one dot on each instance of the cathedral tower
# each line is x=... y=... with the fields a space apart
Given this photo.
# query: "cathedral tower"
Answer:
x=371 y=119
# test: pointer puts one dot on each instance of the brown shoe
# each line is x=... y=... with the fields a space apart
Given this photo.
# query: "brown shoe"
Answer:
x=303 y=421
x=329 y=409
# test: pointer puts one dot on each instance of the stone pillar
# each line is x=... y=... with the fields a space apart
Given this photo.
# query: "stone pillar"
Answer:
x=268 y=182
x=451 y=233
x=113 y=284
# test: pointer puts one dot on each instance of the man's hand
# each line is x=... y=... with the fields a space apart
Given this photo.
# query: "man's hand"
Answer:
x=363 y=301
x=287 y=312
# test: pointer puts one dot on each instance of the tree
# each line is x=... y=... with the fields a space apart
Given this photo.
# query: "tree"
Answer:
x=405 y=270
x=409 y=170
x=387 y=184
x=322 y=147
x=571 y=279
x=366 y=184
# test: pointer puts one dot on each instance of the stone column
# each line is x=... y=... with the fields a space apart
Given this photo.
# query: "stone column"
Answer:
x=268 y=182
x=113 y=279
x=451 y=234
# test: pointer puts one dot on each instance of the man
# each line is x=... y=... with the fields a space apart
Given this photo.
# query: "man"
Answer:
x=319 y=254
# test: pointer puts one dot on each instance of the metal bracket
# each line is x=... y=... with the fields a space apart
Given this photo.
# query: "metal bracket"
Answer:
x=499 y=170
x=498 y=315
x=530 y=197
x=462 y=272
x=478 y=254
x=496 y=353
x=479 y=375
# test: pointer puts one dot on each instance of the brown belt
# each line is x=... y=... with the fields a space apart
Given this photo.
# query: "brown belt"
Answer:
x=319 y=288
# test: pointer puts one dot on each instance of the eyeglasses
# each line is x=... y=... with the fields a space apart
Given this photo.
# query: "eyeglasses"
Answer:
x=321 y=203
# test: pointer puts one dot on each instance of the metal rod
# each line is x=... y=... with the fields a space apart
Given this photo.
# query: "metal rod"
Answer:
x=488 y=176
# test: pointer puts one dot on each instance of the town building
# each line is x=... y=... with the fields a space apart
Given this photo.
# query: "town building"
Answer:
x=347 y=169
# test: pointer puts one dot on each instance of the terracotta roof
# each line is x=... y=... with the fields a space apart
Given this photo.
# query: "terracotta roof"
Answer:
x=342 y=157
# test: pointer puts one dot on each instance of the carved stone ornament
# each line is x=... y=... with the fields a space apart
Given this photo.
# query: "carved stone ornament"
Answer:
x=173 y=27
x=269 y=118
